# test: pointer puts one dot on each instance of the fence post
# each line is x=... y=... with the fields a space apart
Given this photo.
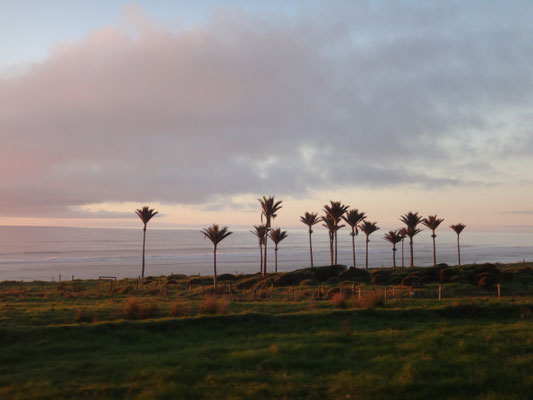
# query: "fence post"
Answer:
x=359 y=295
x=499 y=297
x=385 y=292
x=440 y=290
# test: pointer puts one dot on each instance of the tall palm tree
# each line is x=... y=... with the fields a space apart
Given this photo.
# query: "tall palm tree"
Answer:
x=393 y=237
x=332 y=227
x=310 y=219
x=335 y=210
x=277 y=235
x=269 y=207
x=353 y=218
x=368 y=228
x=458 y=228
x=411 y=220
x=216 y=235
x=145 y=214
x=259 y=232
x=432 y=222
x=403 y=233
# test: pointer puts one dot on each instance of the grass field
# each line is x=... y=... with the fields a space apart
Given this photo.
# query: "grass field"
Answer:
x=287 y=336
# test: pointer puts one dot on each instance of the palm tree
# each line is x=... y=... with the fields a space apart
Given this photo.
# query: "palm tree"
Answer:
x=332 y=227
x=458 y=228
x=411 y=220
x=259 y=232
x=403 y=233
x=335 y=210
x=269 y=207
x=277 y=235
x=145 y=214
x=432 y=222
x=393 y=237
x=216 y=235
x=368 y=228
x=310 y=219
x=353 y=218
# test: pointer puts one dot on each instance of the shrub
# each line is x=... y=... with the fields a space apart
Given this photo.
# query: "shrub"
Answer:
x=339 y=300
x=370 y=300
x=308 y=282
x=214 y=305
x=293 y=278
x=180 y=309
x=226 y=277
x=411 y=280
x=134 y=309
x=446 y=274
x=324 y=273
x=379 y=277
x=248 y=282
x=355 y=274
x=83 y=315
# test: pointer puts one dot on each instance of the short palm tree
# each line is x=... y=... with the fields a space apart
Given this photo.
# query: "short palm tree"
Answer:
x=411 y=220
x=335 y=210
x=259 y=232
x=432 y=222
x=332 y=228
x=145 y=214
x=458 y=228
x=269 y=207
x=368 y=228
x=393 y=237
x=403 y=233
x=353 y=218
x=277 y=235
x=310 y=219
x=216 y=235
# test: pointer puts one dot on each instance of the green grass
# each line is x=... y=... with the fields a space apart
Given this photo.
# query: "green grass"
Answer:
x=281 y=345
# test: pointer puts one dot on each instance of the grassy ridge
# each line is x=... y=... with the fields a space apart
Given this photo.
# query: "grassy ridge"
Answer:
x=285 y=344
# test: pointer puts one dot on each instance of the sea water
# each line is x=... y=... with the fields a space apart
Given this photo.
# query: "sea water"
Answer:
x=43 y=253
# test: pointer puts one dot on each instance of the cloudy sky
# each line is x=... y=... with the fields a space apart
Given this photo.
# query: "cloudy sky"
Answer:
x=198 y=108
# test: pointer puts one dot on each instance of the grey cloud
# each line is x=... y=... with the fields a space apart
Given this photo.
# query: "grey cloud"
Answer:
x=376 y=94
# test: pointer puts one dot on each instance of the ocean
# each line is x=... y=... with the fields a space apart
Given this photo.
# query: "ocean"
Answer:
x=43 y=253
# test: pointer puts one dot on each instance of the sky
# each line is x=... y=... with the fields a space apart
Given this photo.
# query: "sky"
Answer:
x=198 y=108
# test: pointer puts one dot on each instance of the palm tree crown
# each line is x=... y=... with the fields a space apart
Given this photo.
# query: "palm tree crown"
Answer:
x=216 y=234
x=269 y=208
x=432 y=222
x=458 y=228
x=411 y=220
x=332 y=227
x=353 y=218
x=277 y=235
x=146 y=214
x=310 y=219
x=259 y=231
x=394 y=237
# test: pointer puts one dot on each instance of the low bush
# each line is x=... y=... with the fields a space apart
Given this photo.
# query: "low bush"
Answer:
x=355 y=274
x=135 y=309
x=370 y=300
x=214 y=305
x=339 y=300
x=180 y=309
x=248 y=282
x=82 y=315
x=292 y=278
x=379 y=277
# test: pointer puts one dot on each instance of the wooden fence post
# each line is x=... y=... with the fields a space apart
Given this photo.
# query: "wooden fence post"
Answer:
x=359 y=295
x=499 y=297
x=440 y=291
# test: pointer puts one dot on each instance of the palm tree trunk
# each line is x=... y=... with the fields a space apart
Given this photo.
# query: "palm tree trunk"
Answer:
x=353 y=247
x=261 y=257
x=331 y=250
x=394 y=258
x=144 y=242
x=412 y=255
x=458 y=251
x=335 y=248
x=311 y=248
x=366 y=263
x=276 y=257
x=215 y=268
x=434 y=249
x=403 y=260
x=265 y=257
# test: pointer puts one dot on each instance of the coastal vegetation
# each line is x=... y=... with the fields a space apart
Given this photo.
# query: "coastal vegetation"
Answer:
x=322 y=332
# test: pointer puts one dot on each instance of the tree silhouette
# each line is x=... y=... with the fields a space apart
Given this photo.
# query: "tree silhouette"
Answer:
x=403 y=233
x=393 y=237
x=269 y=207
x=216 y=235
x=368 y=228
x=277 y=235
x=458 y=228
x=259 y=232
x=332 y=228
x=335 y=210
x=145 y=214
x=353 y=218
x=310 y=219
x=411 y=220
x=432 y=222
